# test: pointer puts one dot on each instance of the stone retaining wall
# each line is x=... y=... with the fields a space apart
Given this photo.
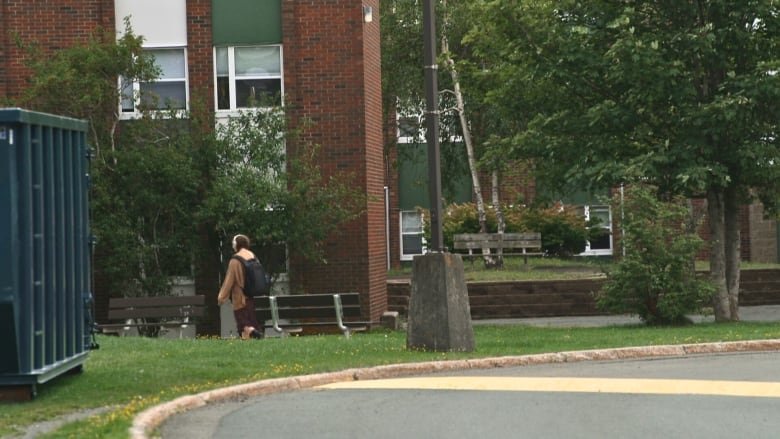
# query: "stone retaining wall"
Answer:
x=492 y=300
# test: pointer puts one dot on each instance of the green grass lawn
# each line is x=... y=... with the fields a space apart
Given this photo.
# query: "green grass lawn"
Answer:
x=131 y=374
x=544 y=268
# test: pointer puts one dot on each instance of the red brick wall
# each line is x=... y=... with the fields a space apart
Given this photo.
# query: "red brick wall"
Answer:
x=200 y=60
x=332 y=79
x=517 y=185
x=52 y=24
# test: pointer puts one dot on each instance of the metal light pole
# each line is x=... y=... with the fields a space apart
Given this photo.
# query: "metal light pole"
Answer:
x=432 y=123
x=439 y=313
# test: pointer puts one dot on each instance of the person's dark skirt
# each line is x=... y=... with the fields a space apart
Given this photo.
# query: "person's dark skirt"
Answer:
x=246 y=317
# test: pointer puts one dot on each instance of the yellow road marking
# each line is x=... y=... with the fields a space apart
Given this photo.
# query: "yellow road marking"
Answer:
x=591 y=385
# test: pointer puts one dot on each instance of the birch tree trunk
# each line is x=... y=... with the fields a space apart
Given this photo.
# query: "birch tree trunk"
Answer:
x=467 y=140
x=500 y=221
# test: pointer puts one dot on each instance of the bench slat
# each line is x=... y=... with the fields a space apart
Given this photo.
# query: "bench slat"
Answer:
x=179 y=311
x=504 y=244
x=137 y=302
x=528 y=236
x=506 y=240
x=140 y=313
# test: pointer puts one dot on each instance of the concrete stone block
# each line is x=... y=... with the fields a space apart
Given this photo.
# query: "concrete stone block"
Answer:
x=439 y=313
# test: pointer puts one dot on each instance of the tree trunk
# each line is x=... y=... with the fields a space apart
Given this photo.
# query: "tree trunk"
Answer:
x=716 y=214
x=732 y=246
x=467 y=140
x=500 y=221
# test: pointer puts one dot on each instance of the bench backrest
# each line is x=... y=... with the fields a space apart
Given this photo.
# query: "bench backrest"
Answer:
x=156 y=307
x=497 y=240
x=308 y=306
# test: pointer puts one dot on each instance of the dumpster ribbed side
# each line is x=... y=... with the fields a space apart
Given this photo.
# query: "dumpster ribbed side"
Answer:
x=45 y=290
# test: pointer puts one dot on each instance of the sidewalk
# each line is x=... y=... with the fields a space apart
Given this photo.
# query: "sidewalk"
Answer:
x=766 y=313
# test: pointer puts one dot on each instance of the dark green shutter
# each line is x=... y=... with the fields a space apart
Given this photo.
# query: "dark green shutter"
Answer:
x=237 y=22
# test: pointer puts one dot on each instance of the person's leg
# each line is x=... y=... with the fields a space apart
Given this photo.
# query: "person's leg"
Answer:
x=246 y=322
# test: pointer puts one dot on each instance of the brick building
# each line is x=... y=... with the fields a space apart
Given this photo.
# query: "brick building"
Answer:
x=322 y=57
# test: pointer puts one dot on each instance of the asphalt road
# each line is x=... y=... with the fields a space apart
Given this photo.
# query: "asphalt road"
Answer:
x=712 y=396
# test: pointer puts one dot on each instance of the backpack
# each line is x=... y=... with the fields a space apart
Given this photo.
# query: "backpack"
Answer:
x=256 y=281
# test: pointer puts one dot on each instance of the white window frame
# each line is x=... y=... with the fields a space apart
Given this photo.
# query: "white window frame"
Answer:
x=136 y=85
x=410 y=256
x=232 y=77
x=608 y=227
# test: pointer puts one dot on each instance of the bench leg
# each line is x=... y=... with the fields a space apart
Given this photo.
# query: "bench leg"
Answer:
x=340 y=315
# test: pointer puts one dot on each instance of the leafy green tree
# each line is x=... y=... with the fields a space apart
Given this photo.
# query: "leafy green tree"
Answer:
x=82 y=81
x=683 y=95
x=144 y=177
x=656 y=279
x=274 y=198
x=164 y=178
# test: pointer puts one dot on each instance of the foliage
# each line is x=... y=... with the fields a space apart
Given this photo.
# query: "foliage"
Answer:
x=275 y=199
x=564 y=231
x=163 y=178
x=82 y=80
x=143 y=204
x=144 y=173
x=656 y=278
x=681 y=95
x=158 y=370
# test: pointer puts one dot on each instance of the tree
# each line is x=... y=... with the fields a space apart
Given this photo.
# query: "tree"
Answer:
x=163 y=177
x=144 y=175
x=462 y=117
x=683 y=95
x=656 y=279
x=278 y=200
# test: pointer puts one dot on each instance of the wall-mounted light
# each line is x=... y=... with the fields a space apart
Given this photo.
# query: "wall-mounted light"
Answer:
x=368 y=14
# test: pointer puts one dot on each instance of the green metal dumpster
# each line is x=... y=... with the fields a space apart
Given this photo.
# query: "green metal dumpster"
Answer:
x=45 y=249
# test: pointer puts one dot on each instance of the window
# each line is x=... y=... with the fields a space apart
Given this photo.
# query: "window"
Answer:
x=412 y=240
x=168 y=91
x=602 y=245
x=247 y=76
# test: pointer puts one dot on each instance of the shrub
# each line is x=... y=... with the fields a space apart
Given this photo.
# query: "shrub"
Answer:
x=656 y=279
x=564 y=230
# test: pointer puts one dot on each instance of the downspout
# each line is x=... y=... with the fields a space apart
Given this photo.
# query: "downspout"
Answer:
x=387 y=225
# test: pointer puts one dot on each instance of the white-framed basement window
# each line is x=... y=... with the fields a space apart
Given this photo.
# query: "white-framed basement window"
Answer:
x=169 y=91
x=603 y=244
x=247 y=75
x=412 y=239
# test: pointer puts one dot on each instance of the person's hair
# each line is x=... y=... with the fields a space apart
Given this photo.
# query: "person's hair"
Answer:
x=241 y=242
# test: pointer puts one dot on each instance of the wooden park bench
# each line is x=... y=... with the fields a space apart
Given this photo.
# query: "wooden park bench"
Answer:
x=160 y=311
x=290 y=314
x=504 y=244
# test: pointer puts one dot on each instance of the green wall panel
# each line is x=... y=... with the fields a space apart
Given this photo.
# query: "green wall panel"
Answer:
x=237 y=22
x=413 y=179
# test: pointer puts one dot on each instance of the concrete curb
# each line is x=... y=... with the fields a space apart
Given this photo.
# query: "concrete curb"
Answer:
x=148 y=420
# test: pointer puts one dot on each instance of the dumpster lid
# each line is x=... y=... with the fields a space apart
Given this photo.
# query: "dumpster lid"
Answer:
x=20 y=115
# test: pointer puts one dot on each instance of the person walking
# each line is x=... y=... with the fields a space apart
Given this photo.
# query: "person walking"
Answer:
x=233 y=290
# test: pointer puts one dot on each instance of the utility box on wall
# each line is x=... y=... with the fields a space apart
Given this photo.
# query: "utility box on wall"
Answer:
x=45 y=249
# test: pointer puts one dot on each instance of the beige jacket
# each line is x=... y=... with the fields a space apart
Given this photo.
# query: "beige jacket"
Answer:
x=232 y=286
